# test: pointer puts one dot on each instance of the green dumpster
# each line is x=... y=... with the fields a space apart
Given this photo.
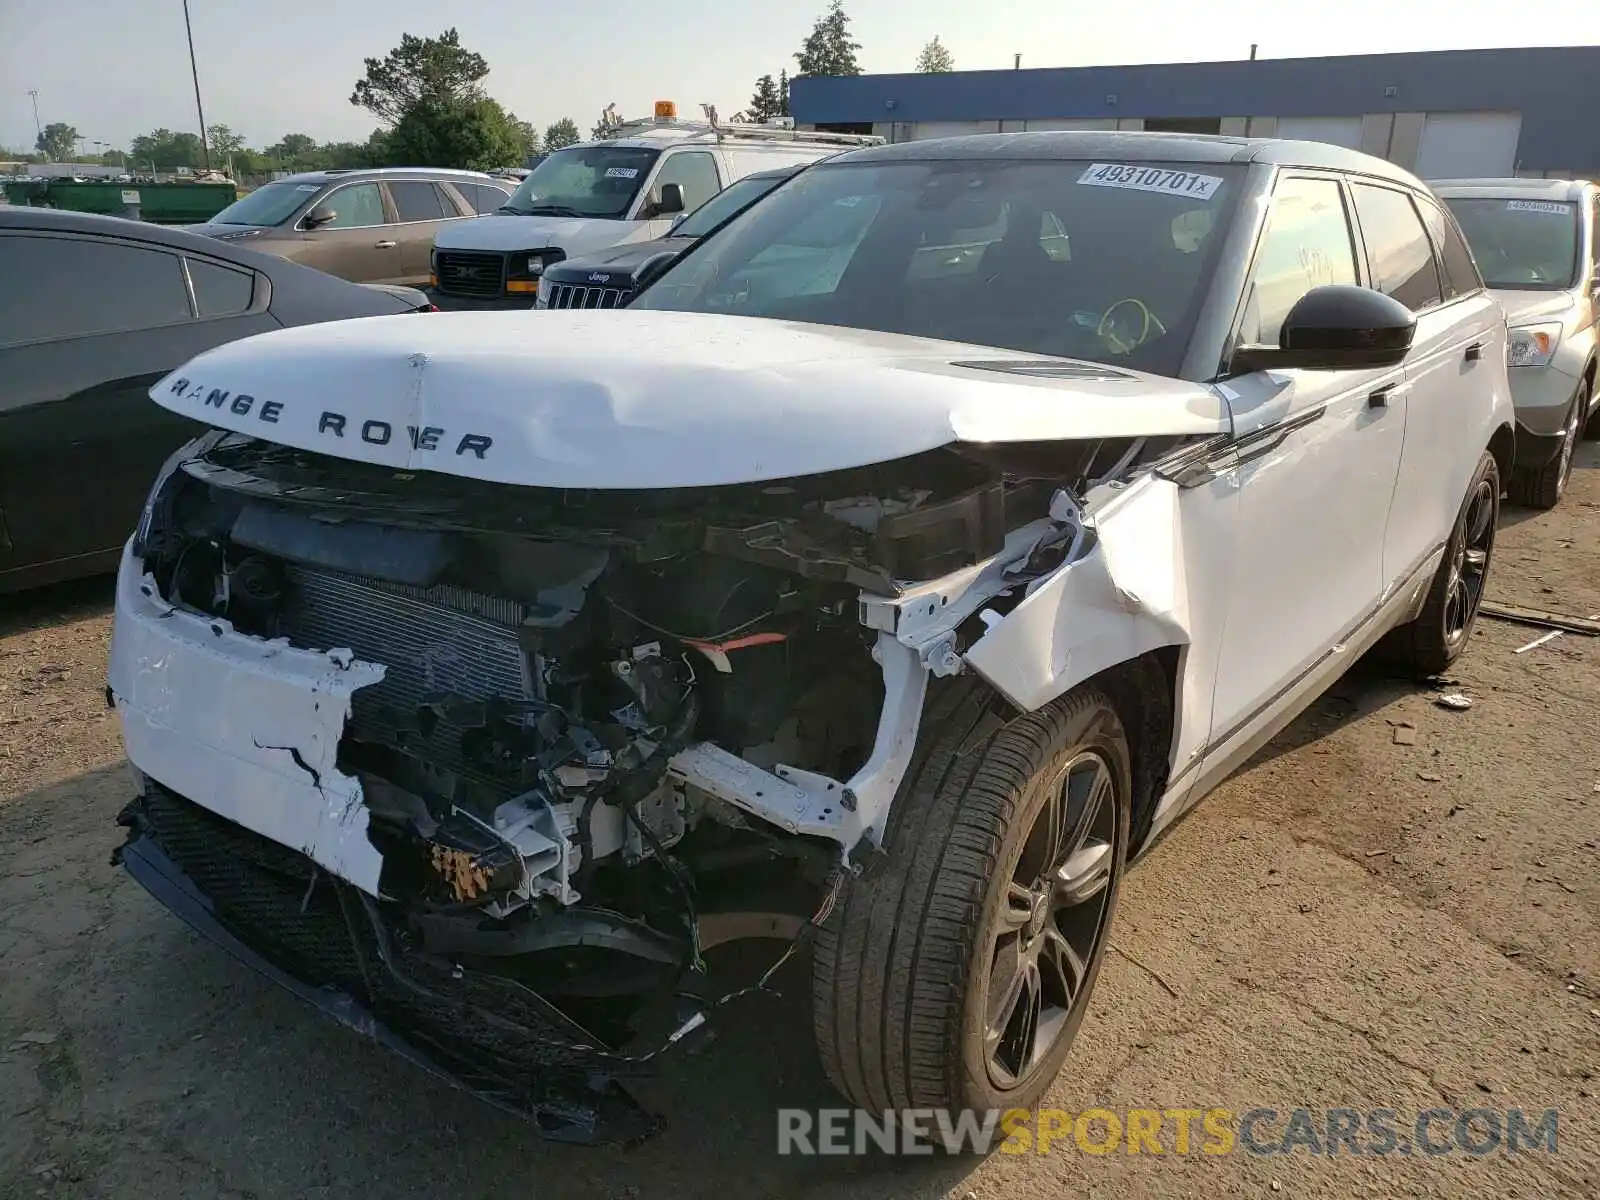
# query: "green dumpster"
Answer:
x=162 y=203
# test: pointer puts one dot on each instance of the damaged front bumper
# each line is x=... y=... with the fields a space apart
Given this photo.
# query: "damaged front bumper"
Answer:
x=319 y=938
x=249 y=728
x=277 y=868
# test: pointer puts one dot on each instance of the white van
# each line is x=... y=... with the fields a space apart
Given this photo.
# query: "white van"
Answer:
x=628 y=187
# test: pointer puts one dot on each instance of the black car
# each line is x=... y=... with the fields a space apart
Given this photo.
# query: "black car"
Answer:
x=93 y=311
x=606 y=279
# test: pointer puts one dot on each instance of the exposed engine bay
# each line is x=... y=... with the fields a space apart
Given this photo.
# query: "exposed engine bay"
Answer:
x=606 y=718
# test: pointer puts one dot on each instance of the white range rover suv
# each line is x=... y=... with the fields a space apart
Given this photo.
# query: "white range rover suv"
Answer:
x=885 y=578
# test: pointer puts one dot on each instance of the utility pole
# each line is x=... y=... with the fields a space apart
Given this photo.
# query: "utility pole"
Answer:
x=1252 y=51
x=37 y=128
x=1016 y=63
x=205 y=148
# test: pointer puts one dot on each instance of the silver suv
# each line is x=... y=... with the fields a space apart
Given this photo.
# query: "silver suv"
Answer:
x=1534 y=240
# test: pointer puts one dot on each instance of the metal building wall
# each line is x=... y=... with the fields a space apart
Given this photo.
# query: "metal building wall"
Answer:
x=1384 y=100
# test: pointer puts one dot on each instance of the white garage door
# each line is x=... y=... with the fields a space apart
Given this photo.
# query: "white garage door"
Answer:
x=939 y=129
x=1341 y=131
x=1069 y=123
x=1468 y=145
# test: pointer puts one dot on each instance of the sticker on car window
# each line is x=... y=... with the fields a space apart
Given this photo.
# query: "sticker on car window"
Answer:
x=308 y=187
x=1151 y=179
x=622 y=172
x=1553 y=207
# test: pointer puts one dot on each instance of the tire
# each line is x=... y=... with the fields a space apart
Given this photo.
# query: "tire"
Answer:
x=1543 y=487
x=903 y=966
x=1428 y=645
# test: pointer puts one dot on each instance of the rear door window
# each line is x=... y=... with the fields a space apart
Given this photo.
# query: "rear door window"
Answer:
x=53 y=288
x=1398 y=251
x=1460 y=272
x=418 y=200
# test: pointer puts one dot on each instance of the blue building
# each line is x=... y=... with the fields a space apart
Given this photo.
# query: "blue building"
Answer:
x=1442 y=114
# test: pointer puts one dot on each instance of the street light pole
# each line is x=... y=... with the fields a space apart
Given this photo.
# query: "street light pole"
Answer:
x=205 y=148
x=37 y=128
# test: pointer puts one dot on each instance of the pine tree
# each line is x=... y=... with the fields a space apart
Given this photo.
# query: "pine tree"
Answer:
x=935 y=58
x=783 y=93
x=828 y=49
x=764 y=105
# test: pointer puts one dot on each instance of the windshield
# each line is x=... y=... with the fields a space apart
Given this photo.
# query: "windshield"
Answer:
x=583 y=181
x=270 y=205
x=729 y=202
x=1103 y=261
x=1526 y=244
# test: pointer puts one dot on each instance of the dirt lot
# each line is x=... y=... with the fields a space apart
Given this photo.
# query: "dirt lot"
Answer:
x=1349 y=922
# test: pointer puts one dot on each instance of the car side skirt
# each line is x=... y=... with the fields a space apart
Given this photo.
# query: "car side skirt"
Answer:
x=1233 y=747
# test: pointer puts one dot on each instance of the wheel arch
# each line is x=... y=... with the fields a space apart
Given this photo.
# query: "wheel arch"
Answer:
x=1146 y=693
x=1503 y=445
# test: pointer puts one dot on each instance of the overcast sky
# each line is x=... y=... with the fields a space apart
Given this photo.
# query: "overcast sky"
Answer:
x=119 y=68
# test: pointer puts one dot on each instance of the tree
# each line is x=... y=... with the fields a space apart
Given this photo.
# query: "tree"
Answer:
x=296 y=149
x=828 y=49
x=527 y=135
x=165 y=150
x=563 y=133
x=58 y=141
x=471 y=135
x=935 y=58
x=224 y=141
x=334 y=156
x=435 y=71
x=783 y=93
x=764 y=104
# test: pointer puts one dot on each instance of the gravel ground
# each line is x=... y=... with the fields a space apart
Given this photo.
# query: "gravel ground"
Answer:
x=1348 y=922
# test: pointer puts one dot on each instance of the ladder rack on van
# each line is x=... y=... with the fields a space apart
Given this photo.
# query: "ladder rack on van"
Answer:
x=743 y=132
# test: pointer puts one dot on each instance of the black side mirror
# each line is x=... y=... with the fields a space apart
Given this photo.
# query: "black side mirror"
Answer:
x=320 y=215
x=670 y=201
x=1336 y=327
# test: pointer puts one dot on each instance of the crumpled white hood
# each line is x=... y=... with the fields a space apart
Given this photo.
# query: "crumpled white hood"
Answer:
x=640 y=399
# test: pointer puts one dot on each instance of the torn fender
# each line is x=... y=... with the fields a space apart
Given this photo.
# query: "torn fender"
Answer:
x=244 y=727
x=1125 y=597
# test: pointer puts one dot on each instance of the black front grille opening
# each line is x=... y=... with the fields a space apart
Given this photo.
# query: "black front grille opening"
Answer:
x=318 y=929
x=465 y=273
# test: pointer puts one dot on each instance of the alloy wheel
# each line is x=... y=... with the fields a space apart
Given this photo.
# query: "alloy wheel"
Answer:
x=1569 y=443
x=1470 y=565
x=1054 y=914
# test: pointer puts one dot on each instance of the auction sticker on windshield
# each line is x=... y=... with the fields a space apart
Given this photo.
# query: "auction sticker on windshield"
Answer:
x=622 y=172
x=1555 y=208
x=1151 y=179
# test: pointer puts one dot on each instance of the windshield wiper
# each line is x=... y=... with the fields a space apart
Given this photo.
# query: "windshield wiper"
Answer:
x=552 y=210
x=513 y=210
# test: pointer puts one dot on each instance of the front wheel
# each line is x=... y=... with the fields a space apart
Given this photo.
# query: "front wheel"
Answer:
x=957 y=976
x=1429 y=644
x=1543 y=487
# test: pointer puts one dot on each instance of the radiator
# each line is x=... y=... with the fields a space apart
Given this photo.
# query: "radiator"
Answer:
x=431 y=641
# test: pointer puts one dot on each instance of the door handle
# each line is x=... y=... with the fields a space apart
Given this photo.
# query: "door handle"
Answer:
x=1381 y=397
x=1474 y=352
x=385 y=245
